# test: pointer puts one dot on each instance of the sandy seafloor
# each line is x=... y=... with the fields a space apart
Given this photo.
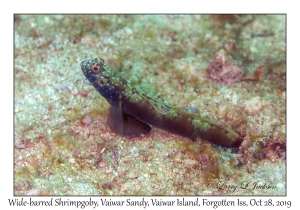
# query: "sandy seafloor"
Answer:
x=63 y=145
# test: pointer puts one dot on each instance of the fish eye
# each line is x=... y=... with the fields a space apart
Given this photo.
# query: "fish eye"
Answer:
x=96 y=68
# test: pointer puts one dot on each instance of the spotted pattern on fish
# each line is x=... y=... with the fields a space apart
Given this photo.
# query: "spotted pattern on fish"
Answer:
x=132 y=112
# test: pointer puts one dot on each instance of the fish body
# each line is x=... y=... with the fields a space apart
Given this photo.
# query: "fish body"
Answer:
x=131 y=112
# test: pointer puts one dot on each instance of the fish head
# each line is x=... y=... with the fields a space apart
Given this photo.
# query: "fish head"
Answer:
x=92 y=68
x=105 y=80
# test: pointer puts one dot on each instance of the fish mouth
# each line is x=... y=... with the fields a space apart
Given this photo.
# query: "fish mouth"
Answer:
x=86 y=67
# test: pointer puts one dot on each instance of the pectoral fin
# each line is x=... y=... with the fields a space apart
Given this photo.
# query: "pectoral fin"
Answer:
x=125 y=124
x=115 y=119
